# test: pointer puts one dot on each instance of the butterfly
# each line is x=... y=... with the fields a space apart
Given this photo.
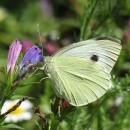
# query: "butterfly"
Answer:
x=80 y=72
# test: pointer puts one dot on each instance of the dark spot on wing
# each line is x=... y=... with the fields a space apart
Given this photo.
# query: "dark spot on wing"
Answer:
x=94 y=58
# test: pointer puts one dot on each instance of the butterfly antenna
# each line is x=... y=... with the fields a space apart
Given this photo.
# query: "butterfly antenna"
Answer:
x=39 y=34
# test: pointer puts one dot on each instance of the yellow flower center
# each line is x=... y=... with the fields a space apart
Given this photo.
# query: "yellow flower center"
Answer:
x=18 y=111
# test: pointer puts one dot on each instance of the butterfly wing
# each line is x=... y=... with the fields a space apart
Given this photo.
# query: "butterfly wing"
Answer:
x=81 y=72
x=78 y=80
x=106 y=49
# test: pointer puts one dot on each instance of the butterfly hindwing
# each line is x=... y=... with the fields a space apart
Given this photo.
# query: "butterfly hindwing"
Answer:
x=79 y=80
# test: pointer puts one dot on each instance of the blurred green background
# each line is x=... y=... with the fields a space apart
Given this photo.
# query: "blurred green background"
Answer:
x=61 y=23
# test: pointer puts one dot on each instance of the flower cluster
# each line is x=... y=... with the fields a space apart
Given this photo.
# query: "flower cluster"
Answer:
x=11 y=110
x=31 y=58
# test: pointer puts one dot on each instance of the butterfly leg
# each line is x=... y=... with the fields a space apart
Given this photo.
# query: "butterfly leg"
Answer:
x=34 y=72
x=45 y=78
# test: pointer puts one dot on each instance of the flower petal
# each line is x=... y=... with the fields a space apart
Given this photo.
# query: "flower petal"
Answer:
x=14 y=52
x=32 y=56
x=26 y=105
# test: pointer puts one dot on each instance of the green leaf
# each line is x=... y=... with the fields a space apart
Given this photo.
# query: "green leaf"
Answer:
x=39 y=127
x=12 y=126
x=24 y=85
x=20 y=96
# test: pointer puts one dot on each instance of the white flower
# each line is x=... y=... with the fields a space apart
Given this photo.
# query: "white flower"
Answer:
x=21 y=113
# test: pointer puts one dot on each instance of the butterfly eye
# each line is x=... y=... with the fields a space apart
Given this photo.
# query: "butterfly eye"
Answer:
x=94 y=58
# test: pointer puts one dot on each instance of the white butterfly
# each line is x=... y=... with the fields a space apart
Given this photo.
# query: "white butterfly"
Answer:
x=81 y=72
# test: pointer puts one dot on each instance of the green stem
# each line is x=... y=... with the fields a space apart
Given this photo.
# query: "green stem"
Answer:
x=49 y=127
x=86 y=21
x=95 y=110
x=1 y=103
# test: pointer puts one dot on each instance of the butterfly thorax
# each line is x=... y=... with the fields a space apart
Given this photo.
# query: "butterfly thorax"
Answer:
x=49 y=65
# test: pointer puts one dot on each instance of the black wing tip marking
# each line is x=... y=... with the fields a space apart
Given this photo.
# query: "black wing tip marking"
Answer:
x=108 y=38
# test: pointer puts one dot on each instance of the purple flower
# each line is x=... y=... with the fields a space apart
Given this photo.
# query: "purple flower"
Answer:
x=127 y=33
x=51 y=47
x=127 y=36
x=32 y=56
x=14 y=52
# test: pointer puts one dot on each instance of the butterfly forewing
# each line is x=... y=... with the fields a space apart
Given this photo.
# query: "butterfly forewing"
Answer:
x=106 y=49
x=81 y=72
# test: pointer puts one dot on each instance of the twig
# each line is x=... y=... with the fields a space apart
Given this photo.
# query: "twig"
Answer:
x=42 y=117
